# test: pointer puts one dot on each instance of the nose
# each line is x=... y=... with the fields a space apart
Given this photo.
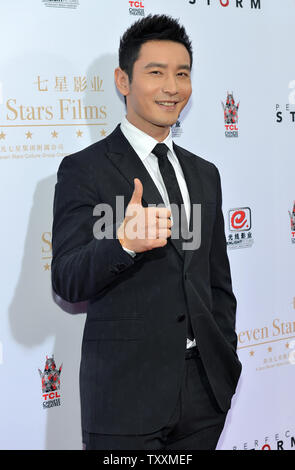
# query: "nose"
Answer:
x=170 y=85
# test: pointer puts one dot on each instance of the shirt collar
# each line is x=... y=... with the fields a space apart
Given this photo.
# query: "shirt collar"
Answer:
x=142 y=143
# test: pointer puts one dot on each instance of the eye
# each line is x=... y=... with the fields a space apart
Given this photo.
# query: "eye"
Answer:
x=155 y=72
x=183 y=74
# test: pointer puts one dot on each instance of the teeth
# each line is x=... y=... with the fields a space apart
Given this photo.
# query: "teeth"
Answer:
x=166 y=103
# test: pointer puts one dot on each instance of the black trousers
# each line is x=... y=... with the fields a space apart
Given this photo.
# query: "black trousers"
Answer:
x=195 y=424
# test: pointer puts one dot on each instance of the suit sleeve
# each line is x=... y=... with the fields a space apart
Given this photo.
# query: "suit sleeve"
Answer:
x=82 y=265
x=224 y=301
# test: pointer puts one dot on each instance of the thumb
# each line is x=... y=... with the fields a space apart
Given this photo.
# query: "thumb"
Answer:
x=137 y=193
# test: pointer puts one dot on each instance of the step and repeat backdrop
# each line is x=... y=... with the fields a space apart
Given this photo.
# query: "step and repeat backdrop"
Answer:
x=57 y=96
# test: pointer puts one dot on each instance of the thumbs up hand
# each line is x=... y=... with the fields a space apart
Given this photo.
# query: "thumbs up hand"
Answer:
x=137 y=192
x=144 y=228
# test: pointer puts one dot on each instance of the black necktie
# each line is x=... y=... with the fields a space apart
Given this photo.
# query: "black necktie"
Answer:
x=175 y=197
x=180 y=225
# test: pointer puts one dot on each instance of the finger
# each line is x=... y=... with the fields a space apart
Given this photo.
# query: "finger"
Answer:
x=136 y=197
x=161 y=212
x=163 y=233
x=162 y=222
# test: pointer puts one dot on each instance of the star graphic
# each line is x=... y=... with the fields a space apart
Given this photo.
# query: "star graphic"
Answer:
x=103 y=132
x=54 y=134
x=29 y=135
x=46 y=267
x=251 y=353
x=269 y=349
x=2 y=135
x=79 y=133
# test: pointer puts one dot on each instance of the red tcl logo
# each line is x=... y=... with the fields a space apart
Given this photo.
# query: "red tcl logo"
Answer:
x=136 y=4
x=240 y=219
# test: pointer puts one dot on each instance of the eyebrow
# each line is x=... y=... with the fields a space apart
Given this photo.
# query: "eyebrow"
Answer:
x=164 y=66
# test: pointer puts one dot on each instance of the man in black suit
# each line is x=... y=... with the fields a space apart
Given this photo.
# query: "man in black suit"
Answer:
x=159 y=364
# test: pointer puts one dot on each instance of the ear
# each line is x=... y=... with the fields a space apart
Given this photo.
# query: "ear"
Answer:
x=122 y=81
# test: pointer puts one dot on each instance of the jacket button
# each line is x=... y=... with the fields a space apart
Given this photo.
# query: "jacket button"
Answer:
x=180 y=317
x=120 y=266
x=117 y=268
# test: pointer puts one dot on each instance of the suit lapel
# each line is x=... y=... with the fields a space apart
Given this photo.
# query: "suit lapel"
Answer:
x=124 y=157
x=128 y=163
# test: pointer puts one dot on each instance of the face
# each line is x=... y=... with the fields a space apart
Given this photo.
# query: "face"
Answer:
x=160 y=87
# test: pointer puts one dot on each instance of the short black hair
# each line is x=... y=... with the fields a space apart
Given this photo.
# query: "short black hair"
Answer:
x=150 y=28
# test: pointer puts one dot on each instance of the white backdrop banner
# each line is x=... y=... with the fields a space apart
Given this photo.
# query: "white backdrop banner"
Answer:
x=57 y=96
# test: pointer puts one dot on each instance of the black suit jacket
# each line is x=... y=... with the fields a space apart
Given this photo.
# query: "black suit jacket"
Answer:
x=133 y=349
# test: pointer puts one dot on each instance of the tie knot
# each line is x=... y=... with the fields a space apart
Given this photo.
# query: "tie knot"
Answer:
x=160 y=150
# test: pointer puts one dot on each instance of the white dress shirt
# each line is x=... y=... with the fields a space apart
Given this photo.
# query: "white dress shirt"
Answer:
x=143 y=144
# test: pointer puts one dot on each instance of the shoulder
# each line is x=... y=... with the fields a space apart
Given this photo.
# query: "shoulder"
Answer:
x=87 y=159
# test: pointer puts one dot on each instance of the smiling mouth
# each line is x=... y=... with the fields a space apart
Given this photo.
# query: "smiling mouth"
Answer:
x=167 y=104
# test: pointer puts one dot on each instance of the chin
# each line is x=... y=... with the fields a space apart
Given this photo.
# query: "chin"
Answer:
x=166 y=122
